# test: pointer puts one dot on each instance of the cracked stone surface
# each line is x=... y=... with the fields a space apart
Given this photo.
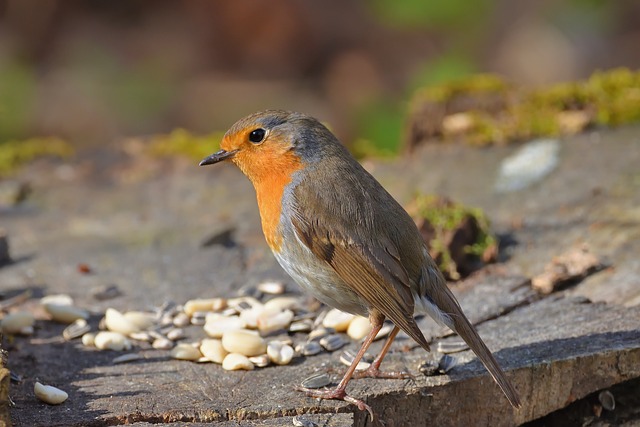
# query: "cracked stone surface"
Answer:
x=142 y=226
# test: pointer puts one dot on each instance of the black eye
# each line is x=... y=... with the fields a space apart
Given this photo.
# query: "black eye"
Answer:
x=257 y=136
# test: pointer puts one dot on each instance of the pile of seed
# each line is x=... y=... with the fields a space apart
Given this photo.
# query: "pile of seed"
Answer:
x=242 y=333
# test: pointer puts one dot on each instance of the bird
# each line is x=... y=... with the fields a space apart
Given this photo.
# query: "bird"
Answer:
x=343 y=238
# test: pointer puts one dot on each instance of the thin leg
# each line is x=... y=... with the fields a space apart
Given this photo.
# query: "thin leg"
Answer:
x=339 y=393
x=374 y=371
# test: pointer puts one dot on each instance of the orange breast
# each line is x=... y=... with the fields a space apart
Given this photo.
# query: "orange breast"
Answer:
x=270 y=179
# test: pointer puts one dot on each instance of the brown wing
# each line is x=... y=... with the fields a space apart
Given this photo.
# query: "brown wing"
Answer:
x=374 y=273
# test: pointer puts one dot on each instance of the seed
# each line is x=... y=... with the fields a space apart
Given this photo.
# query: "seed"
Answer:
x=140 y=319
x=260 y=361
x=212 y=349
x=270 y=321
x=301 y=326
x=126 y=358
x=447 y=347
x=300 y=421
x=141 y=336
x=65 y=313
x=235 y=361
x=272 y=288
x=49 y=394
x=209 y=304
x=359 y=328
x=181 y=320
x=243 y=341
x=162 y=343
x=88 y=339
x=106 y=292
x=217 y=325
x=15 y=322
x=279 y=353
x=283 y=303
x=384 y=331
x=428 y=368
x=118 y=322
x=26 y=330
x=319 y=333
x=338 y=320
x=76 y=330
x=316 y=381
x=332 y=342
x=310 y=348
x=607 y=400
x=243 y=303
x=175 y=334
x=107 y=340
x=58 y=299
x=347 y=357
x=166 y=319
x=250 y=316
x=228 y=312
x=446 y=364
x=185 y=352
x=199 y=318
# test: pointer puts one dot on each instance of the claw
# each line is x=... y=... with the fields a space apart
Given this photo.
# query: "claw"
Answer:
x=337 y=394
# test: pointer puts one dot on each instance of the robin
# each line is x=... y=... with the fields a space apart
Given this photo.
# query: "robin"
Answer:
x=343 y=238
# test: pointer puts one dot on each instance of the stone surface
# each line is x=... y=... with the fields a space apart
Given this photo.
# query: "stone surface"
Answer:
x=156 y=238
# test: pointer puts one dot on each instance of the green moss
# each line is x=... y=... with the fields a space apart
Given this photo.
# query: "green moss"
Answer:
x=181 y=142
x=445 y=217
x=14 y=154
x=500 y=113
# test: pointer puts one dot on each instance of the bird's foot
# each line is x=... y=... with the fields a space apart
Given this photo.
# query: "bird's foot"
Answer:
x=336 y=394
x=374 y=372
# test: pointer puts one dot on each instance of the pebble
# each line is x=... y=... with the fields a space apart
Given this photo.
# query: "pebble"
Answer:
x=272 y=288
x=270 y=321
x=235 y=362
x=185 y=352
x=359 y=328
x=212 y=350
x=332 y=342
x=76 y=330
x=217 y=325
x=15 y=323
x=65 y=313
x=279 y=353
x=317 y=380
x=244 y=341
x=209 y=304
x=108 y=340
x=338 y=320
x=49 y=394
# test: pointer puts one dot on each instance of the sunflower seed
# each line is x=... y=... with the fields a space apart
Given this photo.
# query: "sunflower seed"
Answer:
x=301 y=326
x=76 y=330
x=280 y=354
x=212 y=349
x=347 y=357
x=243 y=341
x=338 y=320
x=107 y=340
x=332 y=342
x=235 y=362
x=49 y=394
x=15 y=322
x=316 y=380
x=185 y=352
x=446 y=364
x=447 y=347
x=359 y=328
x=260 y=361
x=65 y=313
x=300 y=421
x=429 y=368
x=175 y=334
x=310 y=348
x=607 y=400
x=181 y=320
x=162 y=343
x=272 y=288
x=125 y=358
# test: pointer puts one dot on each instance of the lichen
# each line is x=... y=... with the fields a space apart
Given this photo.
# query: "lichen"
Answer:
x=16 y=153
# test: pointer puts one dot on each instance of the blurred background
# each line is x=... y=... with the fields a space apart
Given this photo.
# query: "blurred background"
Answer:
x=94 y=71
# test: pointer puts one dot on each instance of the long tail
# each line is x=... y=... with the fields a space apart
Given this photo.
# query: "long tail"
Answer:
x=442 y=305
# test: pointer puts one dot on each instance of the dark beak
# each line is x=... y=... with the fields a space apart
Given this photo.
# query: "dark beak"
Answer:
x=218 y=157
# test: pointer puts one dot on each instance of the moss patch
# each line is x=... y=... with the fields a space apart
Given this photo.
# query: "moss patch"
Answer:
x=182 y=143
x=458 y=236
x=14 y=154
x=484 y=109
